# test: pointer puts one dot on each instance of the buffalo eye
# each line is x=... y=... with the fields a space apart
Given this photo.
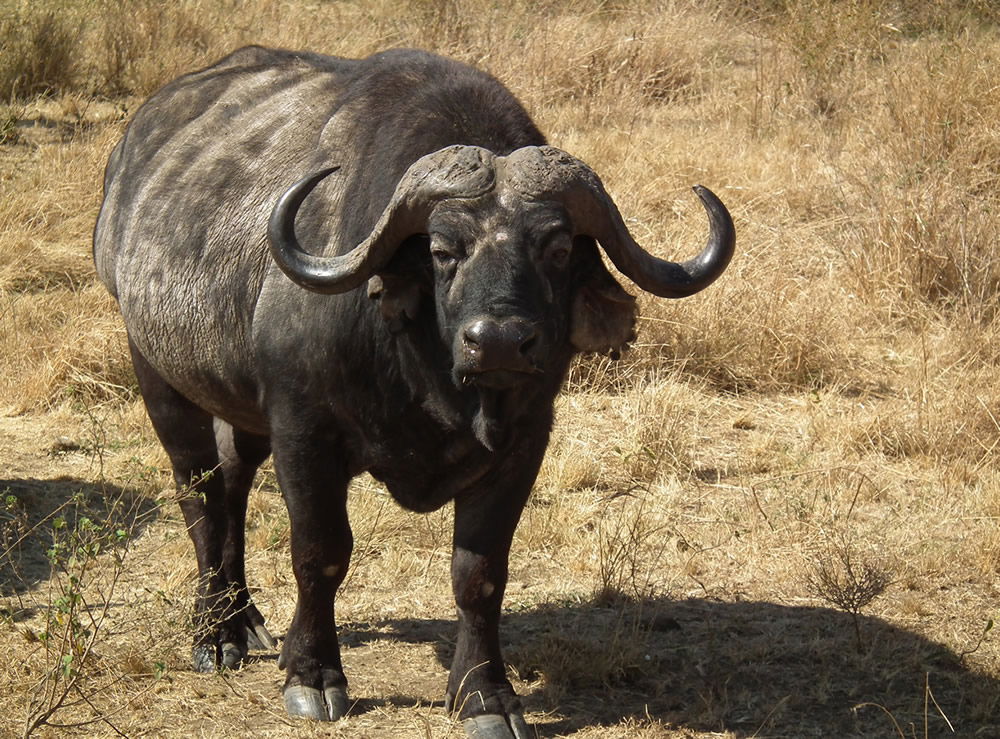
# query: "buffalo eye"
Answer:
x=444 y=257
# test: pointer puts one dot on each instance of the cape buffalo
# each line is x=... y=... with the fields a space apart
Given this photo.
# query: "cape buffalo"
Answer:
x=361 y=265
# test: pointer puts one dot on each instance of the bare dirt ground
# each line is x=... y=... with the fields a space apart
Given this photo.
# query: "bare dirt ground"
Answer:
x=704 y=631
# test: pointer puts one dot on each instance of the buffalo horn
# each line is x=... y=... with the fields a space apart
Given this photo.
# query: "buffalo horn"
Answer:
x=453 y=172
x=546 y=173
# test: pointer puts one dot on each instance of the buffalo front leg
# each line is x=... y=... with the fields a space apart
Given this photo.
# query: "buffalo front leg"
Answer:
x=478 y=689
x=315 y=490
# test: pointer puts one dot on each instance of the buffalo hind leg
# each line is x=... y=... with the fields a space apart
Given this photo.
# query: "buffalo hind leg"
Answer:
x=314 y=484
x=213 y=477
x=240 y=455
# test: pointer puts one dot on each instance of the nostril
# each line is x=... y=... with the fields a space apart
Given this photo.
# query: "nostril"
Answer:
x=520 y=334
x=528 y=344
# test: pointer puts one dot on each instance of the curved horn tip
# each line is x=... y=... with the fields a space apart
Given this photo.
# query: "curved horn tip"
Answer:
x=707 y=195
x=292 y=198
x=718 y=213
x=309 y=182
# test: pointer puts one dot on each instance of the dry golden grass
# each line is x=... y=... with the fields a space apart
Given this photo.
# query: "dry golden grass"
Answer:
x=831 y=402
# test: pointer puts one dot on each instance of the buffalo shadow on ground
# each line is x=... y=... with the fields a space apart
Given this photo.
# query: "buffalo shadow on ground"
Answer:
x=35 y=512
x=751 y=668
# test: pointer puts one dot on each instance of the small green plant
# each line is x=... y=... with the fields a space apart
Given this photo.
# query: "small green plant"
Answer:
x=87 y=558
x=13 y=526
x=982 y=637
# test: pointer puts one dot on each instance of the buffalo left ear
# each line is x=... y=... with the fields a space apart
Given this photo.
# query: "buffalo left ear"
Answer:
x=603 y=315
x=398 y=299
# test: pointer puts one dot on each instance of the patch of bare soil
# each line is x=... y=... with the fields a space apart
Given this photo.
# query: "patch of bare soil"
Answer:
x=40 y=466
x=721 y=654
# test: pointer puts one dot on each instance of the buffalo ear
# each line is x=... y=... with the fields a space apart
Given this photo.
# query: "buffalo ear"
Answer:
x=399 y=286
x=603 y=315
x=398 y=299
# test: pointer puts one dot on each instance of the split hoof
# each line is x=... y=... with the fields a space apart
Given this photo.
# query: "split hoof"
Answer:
x=232 y=656
x=203 y=658
x=258 y=637
x=207 y=658
x=494 y=726
x=327 y=705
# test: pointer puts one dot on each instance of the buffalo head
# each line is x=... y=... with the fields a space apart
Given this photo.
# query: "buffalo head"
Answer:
x=518 y=283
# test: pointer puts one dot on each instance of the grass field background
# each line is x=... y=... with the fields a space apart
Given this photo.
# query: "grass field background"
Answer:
x=777 y=516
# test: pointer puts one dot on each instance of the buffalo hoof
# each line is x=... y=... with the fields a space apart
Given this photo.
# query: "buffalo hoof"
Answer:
x=231 y=656
x=258 y=637
x=203 y=658
x=327 y=705
x=494 y=726
x=209 y=657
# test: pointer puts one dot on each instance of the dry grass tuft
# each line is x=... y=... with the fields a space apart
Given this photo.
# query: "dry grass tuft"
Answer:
x=38 y=49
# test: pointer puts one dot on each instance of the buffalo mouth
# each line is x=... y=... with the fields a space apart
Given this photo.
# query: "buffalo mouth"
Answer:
x=497 y=379
x=491 y=424
x=500 y=395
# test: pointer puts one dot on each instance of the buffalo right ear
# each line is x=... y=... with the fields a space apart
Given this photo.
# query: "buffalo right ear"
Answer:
x=400 y=285
x=602 y=318
x=398 y=299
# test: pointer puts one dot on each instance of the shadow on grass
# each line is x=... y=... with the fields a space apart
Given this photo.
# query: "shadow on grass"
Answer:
x=34 y=510
x=750 y=668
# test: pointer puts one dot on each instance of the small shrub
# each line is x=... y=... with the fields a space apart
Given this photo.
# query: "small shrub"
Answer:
x=848 y=581
x=87 y=557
